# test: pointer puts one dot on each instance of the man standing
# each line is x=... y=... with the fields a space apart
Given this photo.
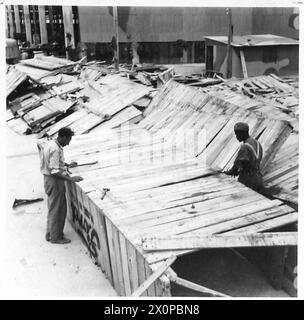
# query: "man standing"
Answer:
x=248 y=159
x=54 y=171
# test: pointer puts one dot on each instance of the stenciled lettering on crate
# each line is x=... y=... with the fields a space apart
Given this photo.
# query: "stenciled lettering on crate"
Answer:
x=84 y=223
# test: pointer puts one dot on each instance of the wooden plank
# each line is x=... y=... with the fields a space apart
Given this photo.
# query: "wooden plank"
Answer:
x=119 y=266
x=141 y=271
x=243 y=62
x=160 y=212
x=124 y=261
x=151 y=289
x=163 y=284
x=205 y=217
x=249 y=220
x=252 y=220
x=269 y=224
x=111 y=242
x=132 y=266
x=221 y=241
x=273 y=144
x=196 y=287
x=104 y=243
x=148 y=282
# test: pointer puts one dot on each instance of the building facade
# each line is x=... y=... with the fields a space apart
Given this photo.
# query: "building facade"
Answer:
x=159 y=34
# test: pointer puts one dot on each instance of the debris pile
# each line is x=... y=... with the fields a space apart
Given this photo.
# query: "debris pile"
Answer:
x=46 y=93
x=267 y=94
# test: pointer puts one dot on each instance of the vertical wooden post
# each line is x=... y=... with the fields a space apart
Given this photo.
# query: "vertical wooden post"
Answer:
x=27 y=22
x=42 y=24
x=229 y=52
x=115 y=26
x=68 y=28
x=243 y=62
x=17 y=19
x=11 y=22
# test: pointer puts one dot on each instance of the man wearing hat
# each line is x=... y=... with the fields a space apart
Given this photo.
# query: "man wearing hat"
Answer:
x=248 y=159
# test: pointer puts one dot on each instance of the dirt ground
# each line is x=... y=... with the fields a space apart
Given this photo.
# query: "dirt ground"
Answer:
x=34 y=268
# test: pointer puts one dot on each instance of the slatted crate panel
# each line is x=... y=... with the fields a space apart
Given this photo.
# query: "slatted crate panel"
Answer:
x=118 y=258
x=269 y=95
x=171 y=198
x=282 y=173
x=206 y=122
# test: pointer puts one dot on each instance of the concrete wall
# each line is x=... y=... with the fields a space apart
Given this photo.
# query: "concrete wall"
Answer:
x=274 y=21
x=286 y=64
x=155 y=24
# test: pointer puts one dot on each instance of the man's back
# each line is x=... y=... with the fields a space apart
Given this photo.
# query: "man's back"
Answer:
x=51 y=157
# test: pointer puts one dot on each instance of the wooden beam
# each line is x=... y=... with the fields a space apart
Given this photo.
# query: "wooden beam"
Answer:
x=196 y=287
x=17 y=19
x=155 y=275
x=42 y=24
x=243 y=62
x=222 y=241
x=229 y=48
x=27 y=22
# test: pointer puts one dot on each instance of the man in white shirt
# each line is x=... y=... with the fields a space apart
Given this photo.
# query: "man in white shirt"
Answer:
x=54 y=170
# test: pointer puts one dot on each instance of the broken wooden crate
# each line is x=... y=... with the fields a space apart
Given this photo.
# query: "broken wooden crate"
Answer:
x=203 y=124
x=109 y=106
x=154 y=191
